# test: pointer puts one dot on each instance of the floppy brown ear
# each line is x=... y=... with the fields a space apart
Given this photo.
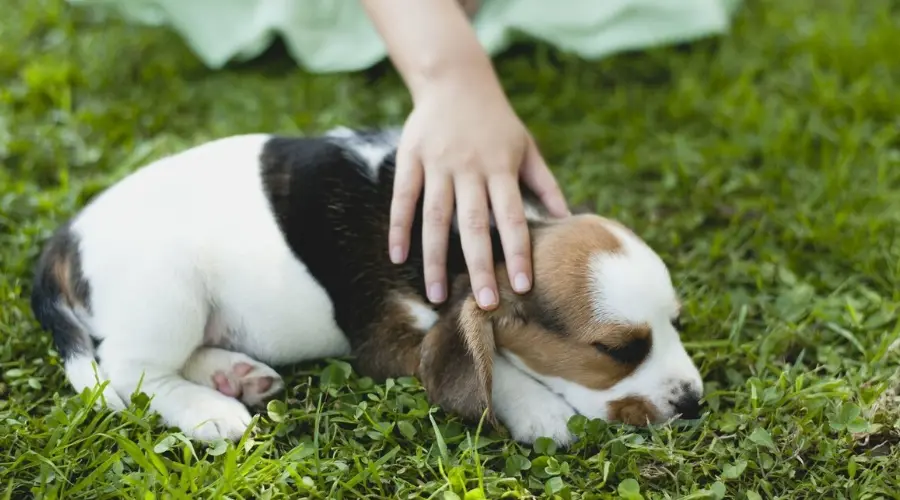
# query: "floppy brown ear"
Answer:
x=457 y=360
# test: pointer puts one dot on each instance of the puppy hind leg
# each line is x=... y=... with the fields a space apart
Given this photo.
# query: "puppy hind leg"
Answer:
x=164 y=329
x=233 y=374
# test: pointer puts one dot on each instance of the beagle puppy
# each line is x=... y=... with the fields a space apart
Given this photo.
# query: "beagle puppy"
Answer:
x=192 y=277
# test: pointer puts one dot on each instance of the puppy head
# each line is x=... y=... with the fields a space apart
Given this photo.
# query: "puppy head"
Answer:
x=598 y=328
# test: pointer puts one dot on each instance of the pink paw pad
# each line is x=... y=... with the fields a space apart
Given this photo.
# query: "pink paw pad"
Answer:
x=246 y=383
x=223 y=385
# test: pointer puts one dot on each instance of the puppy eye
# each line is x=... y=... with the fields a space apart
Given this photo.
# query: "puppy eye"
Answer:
x=631 y=353
x=676 y=323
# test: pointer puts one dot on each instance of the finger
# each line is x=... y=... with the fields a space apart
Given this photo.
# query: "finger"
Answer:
x=474 y=232
x=509 y=211
x=437 y=214
x=538 y=177
x=408 y=178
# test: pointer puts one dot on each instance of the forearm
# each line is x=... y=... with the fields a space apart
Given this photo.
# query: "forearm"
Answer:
x=430 y=42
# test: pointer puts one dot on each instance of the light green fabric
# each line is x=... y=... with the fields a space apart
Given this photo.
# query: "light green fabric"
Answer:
x=335 y=35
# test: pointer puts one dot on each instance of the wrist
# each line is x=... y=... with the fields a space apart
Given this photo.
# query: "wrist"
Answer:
x=432 y=45
x=469 y=71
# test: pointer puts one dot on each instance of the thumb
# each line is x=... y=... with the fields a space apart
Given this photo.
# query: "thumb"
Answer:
x=538 y=177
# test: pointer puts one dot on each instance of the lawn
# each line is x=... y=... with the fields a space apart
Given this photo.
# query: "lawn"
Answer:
x=763 y=166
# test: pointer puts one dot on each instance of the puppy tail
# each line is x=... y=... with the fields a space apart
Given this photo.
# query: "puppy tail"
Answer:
x=59 y=300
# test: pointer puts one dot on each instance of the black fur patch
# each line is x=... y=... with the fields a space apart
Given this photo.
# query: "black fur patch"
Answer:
x=632 y=353
x=59 y=283
x=335 y=218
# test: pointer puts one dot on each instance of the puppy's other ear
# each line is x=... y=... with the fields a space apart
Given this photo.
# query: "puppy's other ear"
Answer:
x=457 y=360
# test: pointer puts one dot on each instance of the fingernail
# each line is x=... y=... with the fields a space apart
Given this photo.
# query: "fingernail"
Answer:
x=486 y=297
x=521 y=283
x=436 y=292
x=396 y=254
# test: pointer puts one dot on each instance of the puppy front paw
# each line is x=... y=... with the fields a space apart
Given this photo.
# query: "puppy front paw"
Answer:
x=527 y=408
x=213 y=416
x=551 y=422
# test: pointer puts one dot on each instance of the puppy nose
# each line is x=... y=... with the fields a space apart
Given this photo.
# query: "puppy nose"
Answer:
x=688 y=405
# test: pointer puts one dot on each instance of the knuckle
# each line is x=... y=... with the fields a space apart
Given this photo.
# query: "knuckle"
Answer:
x=406 y=194
x=434 y=273
x=400 y=223
x=435 y=215
x=412 y=148
x=475 y=220
x=466 y=160
x=481 y=270
x=435 y=256
x=518 y=253
x=506 y=163
x=400 y=218
x=514 y=218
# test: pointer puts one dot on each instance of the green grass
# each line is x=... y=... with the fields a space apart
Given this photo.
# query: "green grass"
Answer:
x=763 y=166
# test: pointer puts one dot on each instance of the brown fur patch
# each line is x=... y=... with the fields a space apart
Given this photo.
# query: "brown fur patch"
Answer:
x=478 y=335
x=457 y=362
x=393 y=343
x=633 y=410
x=62 y=274
x=566 y=357
x=65 y=270
x=561 y=255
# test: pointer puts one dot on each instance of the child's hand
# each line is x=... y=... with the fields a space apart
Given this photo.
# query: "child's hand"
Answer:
x=464 y=141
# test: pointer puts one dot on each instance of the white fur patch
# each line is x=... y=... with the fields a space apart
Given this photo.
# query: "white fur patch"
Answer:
x=532 y=213
x=370 y=149
x=340 y=132
x=631 y=285
x=425 y=316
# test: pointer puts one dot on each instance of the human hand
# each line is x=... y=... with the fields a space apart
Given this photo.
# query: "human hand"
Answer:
x=464 y=141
